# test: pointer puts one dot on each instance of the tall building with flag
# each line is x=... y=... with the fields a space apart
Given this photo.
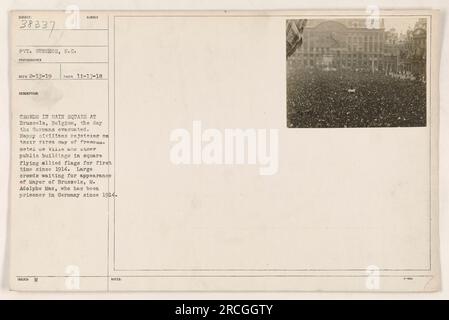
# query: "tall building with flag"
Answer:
x=355 y=45
x=342 y=44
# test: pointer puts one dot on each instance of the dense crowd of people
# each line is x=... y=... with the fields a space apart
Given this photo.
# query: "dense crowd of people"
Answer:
x=337 y=99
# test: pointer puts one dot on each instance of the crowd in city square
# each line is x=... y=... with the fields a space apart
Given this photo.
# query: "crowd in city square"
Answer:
x=343 y=98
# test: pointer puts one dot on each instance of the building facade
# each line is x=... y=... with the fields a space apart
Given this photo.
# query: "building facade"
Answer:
x=412 y=50
x=348 y=44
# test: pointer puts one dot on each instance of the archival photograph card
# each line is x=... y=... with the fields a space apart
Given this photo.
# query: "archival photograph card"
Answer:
x=224 y=151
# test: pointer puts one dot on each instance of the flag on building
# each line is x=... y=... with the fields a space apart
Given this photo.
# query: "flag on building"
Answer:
x=295 y=30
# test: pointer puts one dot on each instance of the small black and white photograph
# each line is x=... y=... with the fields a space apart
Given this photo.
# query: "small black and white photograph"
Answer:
x=356 y=73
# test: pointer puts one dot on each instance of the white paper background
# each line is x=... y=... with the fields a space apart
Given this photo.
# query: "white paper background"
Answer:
x=6 y=5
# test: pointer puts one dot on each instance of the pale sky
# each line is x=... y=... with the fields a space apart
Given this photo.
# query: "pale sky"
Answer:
x=400 y=24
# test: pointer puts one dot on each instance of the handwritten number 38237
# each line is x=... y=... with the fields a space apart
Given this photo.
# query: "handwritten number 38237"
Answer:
x=37 y=24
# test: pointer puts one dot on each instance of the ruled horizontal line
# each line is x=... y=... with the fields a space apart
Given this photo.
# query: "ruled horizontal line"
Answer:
x=65 y=29
x=59 y=62
x=60 y=46
x=62 y=79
